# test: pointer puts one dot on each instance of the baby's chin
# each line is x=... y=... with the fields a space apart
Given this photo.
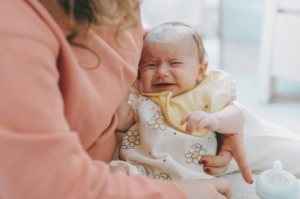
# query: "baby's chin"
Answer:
x=149 y=90
x=174 y=93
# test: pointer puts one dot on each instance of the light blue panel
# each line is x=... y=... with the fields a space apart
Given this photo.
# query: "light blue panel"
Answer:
x=242 y=19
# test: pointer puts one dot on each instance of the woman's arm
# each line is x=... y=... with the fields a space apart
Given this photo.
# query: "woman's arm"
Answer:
x=41 y=157
x=216 y=188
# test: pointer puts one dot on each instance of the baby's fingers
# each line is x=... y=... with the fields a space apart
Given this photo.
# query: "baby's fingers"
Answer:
x=202 y=124
x=186 y=118
x=192 y=123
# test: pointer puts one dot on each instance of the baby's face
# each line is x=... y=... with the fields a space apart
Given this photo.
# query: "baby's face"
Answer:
x=171 y=66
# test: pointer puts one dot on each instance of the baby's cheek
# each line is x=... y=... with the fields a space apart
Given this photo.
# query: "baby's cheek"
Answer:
x=188 y=83
x=145 y=81
x=143 y=85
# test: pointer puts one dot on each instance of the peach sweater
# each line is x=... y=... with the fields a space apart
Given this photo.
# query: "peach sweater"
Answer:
x=57 y=120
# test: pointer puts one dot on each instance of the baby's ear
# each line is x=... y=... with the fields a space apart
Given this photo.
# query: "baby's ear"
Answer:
x=205 y=63
x=202 y=70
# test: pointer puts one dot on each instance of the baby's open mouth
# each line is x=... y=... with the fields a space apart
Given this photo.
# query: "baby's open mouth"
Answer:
x=163 y=84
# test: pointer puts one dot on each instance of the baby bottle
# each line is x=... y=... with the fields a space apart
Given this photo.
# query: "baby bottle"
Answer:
x=277 y=184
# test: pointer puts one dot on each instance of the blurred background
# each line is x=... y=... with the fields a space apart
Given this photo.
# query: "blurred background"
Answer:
x=256 y=41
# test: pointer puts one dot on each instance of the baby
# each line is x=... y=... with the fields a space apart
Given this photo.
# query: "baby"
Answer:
x=179 y=109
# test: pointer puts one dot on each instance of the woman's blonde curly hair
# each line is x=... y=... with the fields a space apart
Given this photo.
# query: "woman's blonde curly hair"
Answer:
x=120 y=14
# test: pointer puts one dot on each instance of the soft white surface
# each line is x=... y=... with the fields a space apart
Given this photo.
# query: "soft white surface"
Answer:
x=239 y=188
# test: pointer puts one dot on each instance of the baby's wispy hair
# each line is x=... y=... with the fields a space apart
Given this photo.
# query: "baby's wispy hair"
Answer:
x=167 y=32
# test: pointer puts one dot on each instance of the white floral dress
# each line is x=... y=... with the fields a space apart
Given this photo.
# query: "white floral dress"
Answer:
x=161 y=152
x=154 y=149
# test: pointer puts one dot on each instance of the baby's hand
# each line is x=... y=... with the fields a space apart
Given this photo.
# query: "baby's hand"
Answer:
x=199 y=120
x=118 y=169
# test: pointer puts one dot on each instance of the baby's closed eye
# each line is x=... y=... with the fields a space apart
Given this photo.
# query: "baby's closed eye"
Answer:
x=173 y=63
x=151 y=65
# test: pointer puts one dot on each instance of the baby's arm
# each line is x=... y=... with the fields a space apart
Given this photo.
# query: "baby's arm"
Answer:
x=229 y=120
x=125 y=115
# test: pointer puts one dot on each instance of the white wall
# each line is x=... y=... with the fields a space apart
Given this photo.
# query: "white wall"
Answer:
x=200 y=14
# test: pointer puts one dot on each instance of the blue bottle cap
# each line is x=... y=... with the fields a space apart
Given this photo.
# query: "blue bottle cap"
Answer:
x=277 y=184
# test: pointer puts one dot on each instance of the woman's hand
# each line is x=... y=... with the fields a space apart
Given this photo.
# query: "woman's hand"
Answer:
x=216 y=188
x=231 y=146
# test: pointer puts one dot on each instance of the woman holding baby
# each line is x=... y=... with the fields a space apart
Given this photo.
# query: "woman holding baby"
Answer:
x=65 y=67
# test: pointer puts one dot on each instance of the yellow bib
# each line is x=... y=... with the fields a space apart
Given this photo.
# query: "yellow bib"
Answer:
x=211 y=96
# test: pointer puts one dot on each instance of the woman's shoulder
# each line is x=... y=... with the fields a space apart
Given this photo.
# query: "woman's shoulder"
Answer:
x=27 y=20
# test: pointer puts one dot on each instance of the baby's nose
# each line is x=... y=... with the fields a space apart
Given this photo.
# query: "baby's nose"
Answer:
x=162 y=75
x=162 y=72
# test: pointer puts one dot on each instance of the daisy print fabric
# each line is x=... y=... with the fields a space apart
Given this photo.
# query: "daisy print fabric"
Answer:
x=195 y=153
x=160 y=152
x=131 y=139
x=157 y=122
x=163 y=177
